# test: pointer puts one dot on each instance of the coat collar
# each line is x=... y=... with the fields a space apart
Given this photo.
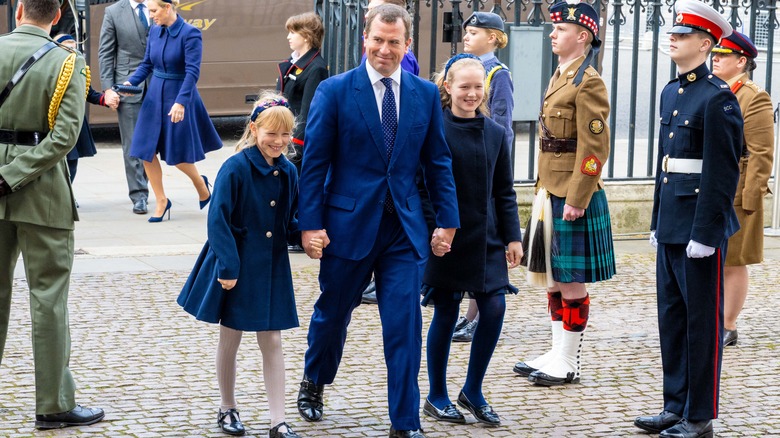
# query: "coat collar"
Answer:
x=566 y=76
x=694 y=75
x=306 y=59
x=174 y=29
x=32 y=30
x=258 y=161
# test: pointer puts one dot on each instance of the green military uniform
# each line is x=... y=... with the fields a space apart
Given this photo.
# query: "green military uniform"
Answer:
x=37 y=217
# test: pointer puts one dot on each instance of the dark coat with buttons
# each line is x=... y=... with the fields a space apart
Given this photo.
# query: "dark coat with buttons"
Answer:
x=297 y=82
x=252 y=218
x=700 y=119
x=487 y=207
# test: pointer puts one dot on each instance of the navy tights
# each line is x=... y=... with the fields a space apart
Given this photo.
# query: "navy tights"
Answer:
x=445 y=315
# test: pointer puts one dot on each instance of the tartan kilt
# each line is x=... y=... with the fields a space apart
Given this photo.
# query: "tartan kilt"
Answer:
x=582 y=250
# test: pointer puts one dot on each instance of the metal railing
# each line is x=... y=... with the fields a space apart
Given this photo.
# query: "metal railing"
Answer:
x=634 y=62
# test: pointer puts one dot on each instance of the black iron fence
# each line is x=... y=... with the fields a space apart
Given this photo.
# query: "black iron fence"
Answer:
x=634 y=61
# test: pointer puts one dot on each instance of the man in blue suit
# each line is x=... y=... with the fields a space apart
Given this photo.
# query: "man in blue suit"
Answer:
x=358 y=183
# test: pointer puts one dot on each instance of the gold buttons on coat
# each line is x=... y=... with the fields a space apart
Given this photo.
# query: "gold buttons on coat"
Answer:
x=696 y=191
x=559 y=113
x=273 y=203
x=686 y=122
x=666 y=180
x=545 y=103
x=674 y=113
x=276 y=173
x=671 y=135
x=679 y=91
x=269 y=234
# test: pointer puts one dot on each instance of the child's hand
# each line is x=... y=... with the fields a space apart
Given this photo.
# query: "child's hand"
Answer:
x=227 y=284
x=514 y=252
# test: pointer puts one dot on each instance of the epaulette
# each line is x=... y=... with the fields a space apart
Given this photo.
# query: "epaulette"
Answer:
x=717 y=82
x=67 y=48
x=591 y=71
x=753 y=86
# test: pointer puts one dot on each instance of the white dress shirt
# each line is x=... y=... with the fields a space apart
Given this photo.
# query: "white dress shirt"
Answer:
x=134 y=5
x=379 y=88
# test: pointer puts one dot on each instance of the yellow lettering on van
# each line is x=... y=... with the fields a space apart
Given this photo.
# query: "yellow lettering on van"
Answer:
x=208 y=23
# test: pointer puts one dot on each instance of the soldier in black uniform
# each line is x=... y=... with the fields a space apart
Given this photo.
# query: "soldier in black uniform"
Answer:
x=693 y=217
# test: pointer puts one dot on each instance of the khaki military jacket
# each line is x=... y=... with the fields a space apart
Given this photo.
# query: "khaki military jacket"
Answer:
x=38 y=175
x=576 y=113
x=754 y=170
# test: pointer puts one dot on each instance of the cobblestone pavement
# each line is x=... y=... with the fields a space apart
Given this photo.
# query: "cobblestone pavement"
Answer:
x=151 y=366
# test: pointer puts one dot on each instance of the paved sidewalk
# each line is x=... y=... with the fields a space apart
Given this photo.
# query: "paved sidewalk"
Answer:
x=151 y=366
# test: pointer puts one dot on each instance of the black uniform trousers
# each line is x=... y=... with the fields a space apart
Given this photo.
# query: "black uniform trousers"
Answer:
x=690 y=321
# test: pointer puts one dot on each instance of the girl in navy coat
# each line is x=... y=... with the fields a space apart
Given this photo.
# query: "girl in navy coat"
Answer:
x=488 y=239
x=242 y=278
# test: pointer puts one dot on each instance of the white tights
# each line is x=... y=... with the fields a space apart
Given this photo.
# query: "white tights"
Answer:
x=270 y=343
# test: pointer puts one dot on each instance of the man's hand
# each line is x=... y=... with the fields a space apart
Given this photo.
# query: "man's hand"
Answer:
x=227 y=284
x=653 y=240
x=514 y=252
x=572 y=213
x=441 y=243
x=696 y=250
x=313 y=242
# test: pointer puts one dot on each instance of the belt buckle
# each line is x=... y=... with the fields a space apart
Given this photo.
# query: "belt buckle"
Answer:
x=36 y=137
x=665 y=164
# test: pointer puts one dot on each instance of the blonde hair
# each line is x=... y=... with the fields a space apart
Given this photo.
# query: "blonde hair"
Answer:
x=273 y=118
x=439 y=80
x=501 y=38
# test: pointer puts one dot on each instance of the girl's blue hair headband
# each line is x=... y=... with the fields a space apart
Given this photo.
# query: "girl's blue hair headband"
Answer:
x=267 y=104
x=455 y=59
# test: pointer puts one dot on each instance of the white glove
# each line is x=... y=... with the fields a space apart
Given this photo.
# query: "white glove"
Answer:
x=653 y=240
x=696 y=250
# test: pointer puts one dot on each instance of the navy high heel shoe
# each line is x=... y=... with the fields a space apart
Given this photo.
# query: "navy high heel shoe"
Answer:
x=160 y=218
x=208 y=187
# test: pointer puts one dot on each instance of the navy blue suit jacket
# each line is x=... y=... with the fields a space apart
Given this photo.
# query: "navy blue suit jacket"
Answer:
x=700 y=119
x=346 y=173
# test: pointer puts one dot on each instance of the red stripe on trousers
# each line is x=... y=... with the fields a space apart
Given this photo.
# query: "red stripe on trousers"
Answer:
x=717 y=324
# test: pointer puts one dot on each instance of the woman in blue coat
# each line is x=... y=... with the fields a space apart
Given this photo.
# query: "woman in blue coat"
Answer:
x=242 y=278
x=488 y=239
x=173 y=121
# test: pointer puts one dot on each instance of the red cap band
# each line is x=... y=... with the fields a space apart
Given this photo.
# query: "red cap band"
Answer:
x=698 y=22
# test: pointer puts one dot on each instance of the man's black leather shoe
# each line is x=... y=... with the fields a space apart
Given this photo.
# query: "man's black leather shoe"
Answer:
x=689 y=429
x=78 y=416
x=310 y=403
x=449 y=413
x=406 y=433
x=483 y=414
x=139 y=207
x=657 y=423
x=230 y=422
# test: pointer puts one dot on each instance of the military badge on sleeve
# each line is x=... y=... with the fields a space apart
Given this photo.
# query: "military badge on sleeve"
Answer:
x=596 y=126
x=591 y=165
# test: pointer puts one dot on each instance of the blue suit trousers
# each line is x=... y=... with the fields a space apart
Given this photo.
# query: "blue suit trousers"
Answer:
x=398 y=272
x=690 y=321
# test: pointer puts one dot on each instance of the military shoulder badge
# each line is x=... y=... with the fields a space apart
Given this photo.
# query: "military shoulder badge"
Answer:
x=596 y=126
x=590 y=166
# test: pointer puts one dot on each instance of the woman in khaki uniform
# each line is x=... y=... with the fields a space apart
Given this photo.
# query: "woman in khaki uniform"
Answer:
x=574 y=145
x=732 y=60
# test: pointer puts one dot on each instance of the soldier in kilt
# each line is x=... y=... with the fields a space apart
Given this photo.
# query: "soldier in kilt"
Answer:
x=574 y=144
